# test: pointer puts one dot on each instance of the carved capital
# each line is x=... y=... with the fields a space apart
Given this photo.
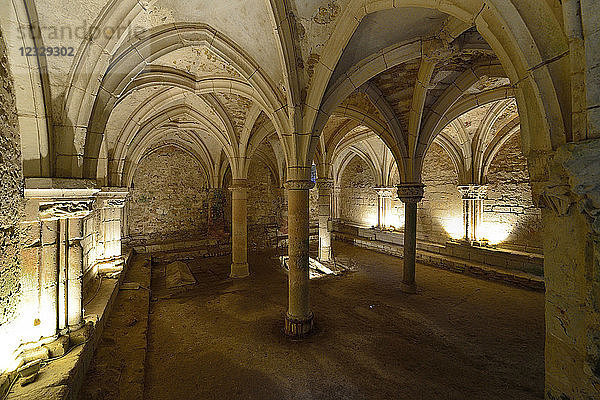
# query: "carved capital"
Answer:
x=115 y=203
x=385 y=192
x=324 y=184
x=299 y=185
x=411 y=192
x=473 y=192
x=555 y=197
x=66 y=209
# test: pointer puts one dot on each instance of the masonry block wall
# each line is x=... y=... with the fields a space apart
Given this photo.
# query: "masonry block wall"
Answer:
x=509 y=207
x=169 y=198
x=440 y=212
x=264 y=206
x=510 y=217
x=358 y=199
x=11 y=204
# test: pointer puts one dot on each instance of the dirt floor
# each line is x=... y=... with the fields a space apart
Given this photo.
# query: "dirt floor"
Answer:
x=458 y=338
x=117 y=370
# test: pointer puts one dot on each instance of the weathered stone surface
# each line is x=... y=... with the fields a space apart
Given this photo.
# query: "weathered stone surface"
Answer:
x=11 y=207
x=178 y=274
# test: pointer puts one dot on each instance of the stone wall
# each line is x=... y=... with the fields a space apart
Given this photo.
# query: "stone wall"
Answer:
x=11 y=203
x=509 y=211
x=440 y=212
x=358 y=199
x=169 y=199
x=264 y=206
x=510 y=218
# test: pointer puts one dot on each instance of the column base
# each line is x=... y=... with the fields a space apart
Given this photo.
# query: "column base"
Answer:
x=325 y=254
x=239 y=270
x=82 y=334
x=410 y=288
x=298 y=328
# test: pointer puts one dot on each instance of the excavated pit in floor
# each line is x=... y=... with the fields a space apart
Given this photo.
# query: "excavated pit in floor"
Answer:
x=458 y=338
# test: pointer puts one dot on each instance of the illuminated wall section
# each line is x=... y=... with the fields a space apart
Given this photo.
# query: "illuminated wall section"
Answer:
x=510 y=218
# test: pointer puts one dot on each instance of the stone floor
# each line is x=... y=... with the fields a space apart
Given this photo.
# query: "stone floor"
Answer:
x=459 y=338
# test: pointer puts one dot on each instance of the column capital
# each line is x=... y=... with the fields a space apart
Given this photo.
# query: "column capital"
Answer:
x=239 y=184
x=299 y=184
x=410 y=192
x=66 y=209
x=324 y=184
x=112 y=197
x=473 y=192
x=385 y=192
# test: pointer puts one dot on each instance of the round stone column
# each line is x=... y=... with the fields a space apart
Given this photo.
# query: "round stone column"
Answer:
x=239 y=229
x=473 y=197
x=324 y=186
x=410 y=194
x=75 y=274
x=299 y=318
x=48 y=305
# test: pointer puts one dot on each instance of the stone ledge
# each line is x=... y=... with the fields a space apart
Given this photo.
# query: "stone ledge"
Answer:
x=450 y=263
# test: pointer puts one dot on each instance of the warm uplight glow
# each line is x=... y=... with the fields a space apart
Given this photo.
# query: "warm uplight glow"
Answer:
x=371 y=219
x=454 y=226
x=395 y=220
x=494 y=232
x=10 y=340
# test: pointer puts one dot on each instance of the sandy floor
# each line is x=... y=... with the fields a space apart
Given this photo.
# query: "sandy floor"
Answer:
x=459 y=338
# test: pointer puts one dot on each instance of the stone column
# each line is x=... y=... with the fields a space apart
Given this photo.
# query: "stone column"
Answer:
x=336 y=202
x=384 y=197
x=410 y=194
x=299 y=318
x=48 y=304
x=324 y=187
x=62 y=265
x=473 y=196
x=112 y=203
x=239 y=229
x=75 y=273
x=63 y=259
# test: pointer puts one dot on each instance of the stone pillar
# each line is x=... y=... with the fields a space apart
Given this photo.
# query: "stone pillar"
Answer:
x=112 y=219
x=63 y=260
x=299 y=318
x=324 y=187
x=61 y=294
x=336 y=214
x=473 y=196
x=384 y=200
x=239 y=229
x=48 y=305
x=410 y=194
x=75 y=273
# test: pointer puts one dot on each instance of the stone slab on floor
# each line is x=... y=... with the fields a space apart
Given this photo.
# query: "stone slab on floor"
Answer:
x=178 y=274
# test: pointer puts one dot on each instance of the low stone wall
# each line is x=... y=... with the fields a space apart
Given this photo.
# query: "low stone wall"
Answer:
x=516 y=268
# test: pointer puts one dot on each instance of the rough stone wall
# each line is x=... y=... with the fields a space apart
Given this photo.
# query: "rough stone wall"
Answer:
x=11 y=204
x=358 y=198
x=264 y=206
x=169 y=199
x=509 y=209
x=440 y=212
